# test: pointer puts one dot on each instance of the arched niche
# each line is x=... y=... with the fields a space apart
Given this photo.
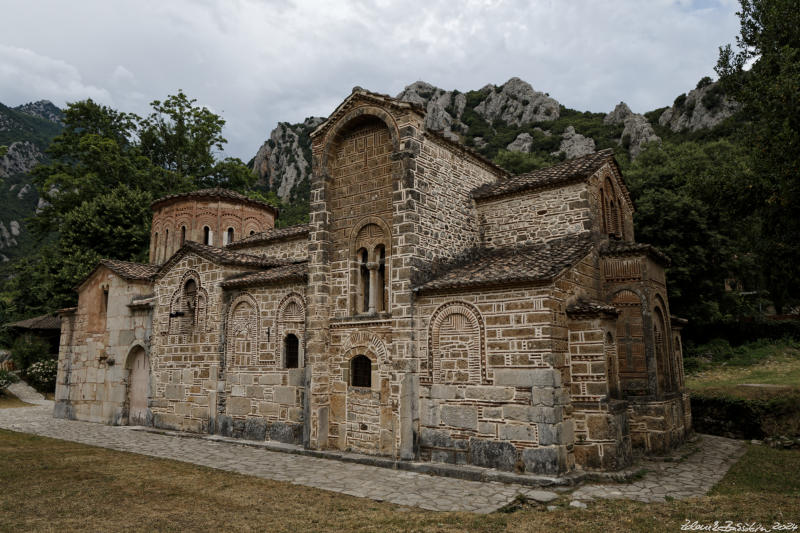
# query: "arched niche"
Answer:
x=456 y=345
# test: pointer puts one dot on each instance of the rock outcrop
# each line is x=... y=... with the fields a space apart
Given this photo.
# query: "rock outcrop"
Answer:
x=704 y=107
x=637 y=132
x=21 y=158
x=43 y=109
x=284 y=160
x=516 y=103
x=7 y=240
x=443 y=108
x=522 y=143
x=573 y=144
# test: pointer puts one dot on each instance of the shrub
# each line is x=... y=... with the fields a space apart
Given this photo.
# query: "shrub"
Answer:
x=680 y=100
x=6 y=379
x=42 y=375
x=29 y=349
x=704 y=82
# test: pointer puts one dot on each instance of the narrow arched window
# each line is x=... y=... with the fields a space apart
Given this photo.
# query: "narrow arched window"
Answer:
x=183 y=235
x=363 y=281
x=252 y=232
x=291 y=347
x=230 y=235
x=166 y=244
x=380 y=286
x=361 y=371
x=155 y=248
x=207 y=235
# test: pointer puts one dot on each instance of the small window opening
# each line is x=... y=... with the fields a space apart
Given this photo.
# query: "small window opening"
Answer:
x=361 y=371
x=252 y=232
x=183 y=235
x=230 y=235
x=166 y=244
x=207 y=235
x=105 y=300
x=292 y=349
x=155 y=247
x=190 y=298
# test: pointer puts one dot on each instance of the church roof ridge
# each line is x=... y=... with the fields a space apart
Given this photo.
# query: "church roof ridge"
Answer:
x=214 y=192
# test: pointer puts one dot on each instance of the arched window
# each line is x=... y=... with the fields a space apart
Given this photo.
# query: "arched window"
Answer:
x=252 y=232
x=361 y=371
x=166 y=244
x=155 y=248
x=363 y=281
x=291 y=347
x=207 y=235
x=183 y=235
x=230 y=235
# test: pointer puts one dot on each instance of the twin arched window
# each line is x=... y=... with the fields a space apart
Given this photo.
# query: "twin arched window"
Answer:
x=611 y=214
x=370 y=259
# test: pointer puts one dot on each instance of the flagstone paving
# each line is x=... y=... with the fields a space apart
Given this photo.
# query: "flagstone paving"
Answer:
x=692 y=476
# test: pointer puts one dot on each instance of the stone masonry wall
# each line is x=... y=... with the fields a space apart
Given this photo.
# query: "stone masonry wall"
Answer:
x=91 y=383
x=444 y=179
x=511 y=413
x=261 y=397
x=289 y=249
x=535 y=216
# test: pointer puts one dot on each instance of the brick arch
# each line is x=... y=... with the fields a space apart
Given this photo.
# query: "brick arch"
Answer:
x=242 y=350
x=290 y=317
x=662 y=346
x=358 y=227
x=467 y=324
x=369 y=344
x=184 y=324
x=630 y=334
x=345 y=123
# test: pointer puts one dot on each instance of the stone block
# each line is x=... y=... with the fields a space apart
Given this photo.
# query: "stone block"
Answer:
x=443 y=392
x=255 y=429
x=270 y=379
x=285 y=395
x=520 y=432
x=238 y=406
x=545 y=396
x=287 y=433
x=224 y=425
x=492 y=454
x=551 y=460
x=428 y=413
x=491 y=394
x=268 y=409
x=524 y=413
x=174 y=392
x=296 y=376
x=460 y=416
x=254 y=391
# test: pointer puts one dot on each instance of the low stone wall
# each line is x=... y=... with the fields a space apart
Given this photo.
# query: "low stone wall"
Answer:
x=657 y=426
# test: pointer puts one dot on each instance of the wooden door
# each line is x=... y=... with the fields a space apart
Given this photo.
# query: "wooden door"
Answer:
x=138 y=387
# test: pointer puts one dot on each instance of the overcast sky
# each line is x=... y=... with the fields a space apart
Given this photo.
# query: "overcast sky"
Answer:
x=260 y=62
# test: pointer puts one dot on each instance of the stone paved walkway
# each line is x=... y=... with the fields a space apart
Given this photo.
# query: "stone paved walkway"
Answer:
x=691 y=477
x=27 y=394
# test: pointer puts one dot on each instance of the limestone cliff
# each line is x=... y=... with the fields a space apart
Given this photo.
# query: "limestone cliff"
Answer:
x=704 y=107
x=284 y=160
x=637 y=132
x=21 y=158
x=44 y=109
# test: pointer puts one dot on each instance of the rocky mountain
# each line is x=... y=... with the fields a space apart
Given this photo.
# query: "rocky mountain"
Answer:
x=26 y=131
x=704 y=107
x=512 y=123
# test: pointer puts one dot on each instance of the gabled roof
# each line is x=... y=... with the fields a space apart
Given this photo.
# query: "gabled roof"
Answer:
x=591 y=308
x=127 y=270
x=577 y=169
x=291 y=232
x=532 y=263
x=130 y=271
x=616 y=248
x=220 y=256
x=37 y=322
x=215 y=193
x=295 y=272
x=359 y=93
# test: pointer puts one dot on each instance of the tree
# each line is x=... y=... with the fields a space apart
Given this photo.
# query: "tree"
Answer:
x=770 y=96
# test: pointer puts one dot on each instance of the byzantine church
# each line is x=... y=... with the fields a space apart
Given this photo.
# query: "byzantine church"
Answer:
x=435 y=308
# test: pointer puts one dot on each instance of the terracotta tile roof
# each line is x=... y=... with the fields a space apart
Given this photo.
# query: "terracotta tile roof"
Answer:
x=533 y=263
x=615 y=247
x=572 y=170
x=38 y=322
x=270 y=236
x=590 y=308
x=295 y=272
x=218 y=192
x=130 y=271
x=221 y=256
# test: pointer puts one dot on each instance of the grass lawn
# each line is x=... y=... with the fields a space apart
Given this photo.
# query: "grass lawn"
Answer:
x=52 y=485
x=9 y=400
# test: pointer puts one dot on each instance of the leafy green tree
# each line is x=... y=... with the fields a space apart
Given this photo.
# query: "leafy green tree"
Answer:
x=769 y=92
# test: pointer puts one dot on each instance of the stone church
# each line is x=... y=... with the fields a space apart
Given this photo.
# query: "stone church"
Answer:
x=435 y=308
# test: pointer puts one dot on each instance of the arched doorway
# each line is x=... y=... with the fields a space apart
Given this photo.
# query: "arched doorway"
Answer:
x=138 y=386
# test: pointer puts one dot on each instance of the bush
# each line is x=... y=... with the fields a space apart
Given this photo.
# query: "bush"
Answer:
x=718 y=413
x=42 y=375
x=705 y=81
x=6 y=379
x=738 y=332
x=29 y=349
